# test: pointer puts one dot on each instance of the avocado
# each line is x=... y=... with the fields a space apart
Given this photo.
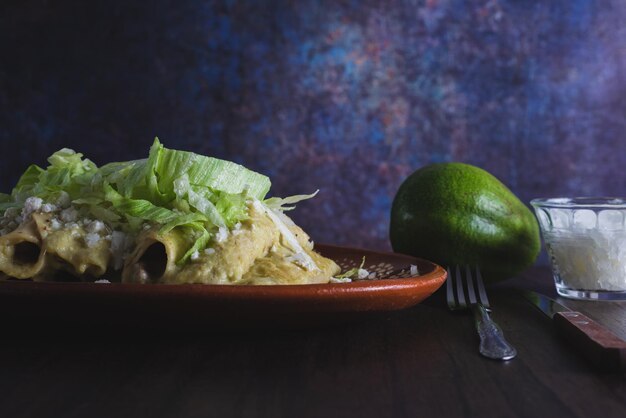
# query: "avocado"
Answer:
x=455 y=213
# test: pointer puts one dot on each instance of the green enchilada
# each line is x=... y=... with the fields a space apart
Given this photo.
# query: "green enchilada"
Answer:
x=175 y=217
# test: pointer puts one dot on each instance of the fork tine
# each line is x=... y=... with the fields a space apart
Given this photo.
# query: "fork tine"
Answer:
x=481 y=288
x=460 y=293
x=450 y=290
x=470 y=285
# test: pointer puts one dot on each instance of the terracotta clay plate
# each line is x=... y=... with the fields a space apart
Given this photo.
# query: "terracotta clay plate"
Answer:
x=214 y=306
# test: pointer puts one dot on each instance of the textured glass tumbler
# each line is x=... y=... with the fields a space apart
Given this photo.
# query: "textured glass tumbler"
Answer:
x=586 y=240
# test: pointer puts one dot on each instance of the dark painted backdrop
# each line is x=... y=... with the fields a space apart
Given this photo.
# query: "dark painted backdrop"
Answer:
x=345 y=96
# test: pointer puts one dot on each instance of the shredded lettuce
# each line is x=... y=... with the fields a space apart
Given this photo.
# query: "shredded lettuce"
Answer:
x=180 y=189
x=278 y=203
x=174 y=189
x=25 y=185
x=6 y=202
x=128 y=177
x=200 y=244
x=354 y=272
x=186 y=181
x=166 y=165
x=198 y=201
x=68 y=172
x=138 y=208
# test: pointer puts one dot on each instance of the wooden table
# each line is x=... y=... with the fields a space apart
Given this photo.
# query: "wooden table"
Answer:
x=419 y=362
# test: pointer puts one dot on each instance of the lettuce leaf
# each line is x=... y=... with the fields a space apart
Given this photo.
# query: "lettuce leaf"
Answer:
x=165 y=165
x=6 y=202
x=138 y=208
x=175 y=189
x=27 y=182
x=352 y=273
x=200 y=244
x=68 y=172
x=198 y=201
x=278 y=203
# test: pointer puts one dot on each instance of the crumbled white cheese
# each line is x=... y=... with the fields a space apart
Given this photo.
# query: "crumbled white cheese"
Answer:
x=92 y=239
x=48 y=207
x=209 y=251
x=32 y=204
x=69 y=215
x=340 y=280
x=95 y=226
x=145 y=226
x=105 y=281
x=414 y=271
x=237 y=229
x=362 y=274
x=195 y=255
x=222 y=234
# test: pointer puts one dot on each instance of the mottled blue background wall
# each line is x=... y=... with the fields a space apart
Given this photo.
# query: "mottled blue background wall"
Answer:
x=345 y=96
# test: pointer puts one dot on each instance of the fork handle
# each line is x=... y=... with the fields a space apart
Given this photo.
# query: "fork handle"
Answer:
x=492 y=342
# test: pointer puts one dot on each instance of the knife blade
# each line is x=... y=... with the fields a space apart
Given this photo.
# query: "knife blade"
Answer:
x=597 y=343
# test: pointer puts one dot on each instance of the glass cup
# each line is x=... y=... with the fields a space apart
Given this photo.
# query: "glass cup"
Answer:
x=586 y=240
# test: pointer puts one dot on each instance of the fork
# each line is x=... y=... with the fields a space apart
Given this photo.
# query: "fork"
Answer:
x=492 y=342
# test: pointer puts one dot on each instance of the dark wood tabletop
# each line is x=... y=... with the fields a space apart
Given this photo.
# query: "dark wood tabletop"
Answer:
x=422 y=361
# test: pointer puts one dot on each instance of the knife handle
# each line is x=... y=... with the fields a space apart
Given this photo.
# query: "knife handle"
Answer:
x=599 y=344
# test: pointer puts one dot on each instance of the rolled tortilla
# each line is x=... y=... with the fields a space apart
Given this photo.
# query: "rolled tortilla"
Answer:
x=22 y=254
x=231 y=258
x=154 y=258
x=252 y=254
x=69 y=250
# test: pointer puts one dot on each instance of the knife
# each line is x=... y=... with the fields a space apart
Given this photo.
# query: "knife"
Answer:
x=597 y=343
